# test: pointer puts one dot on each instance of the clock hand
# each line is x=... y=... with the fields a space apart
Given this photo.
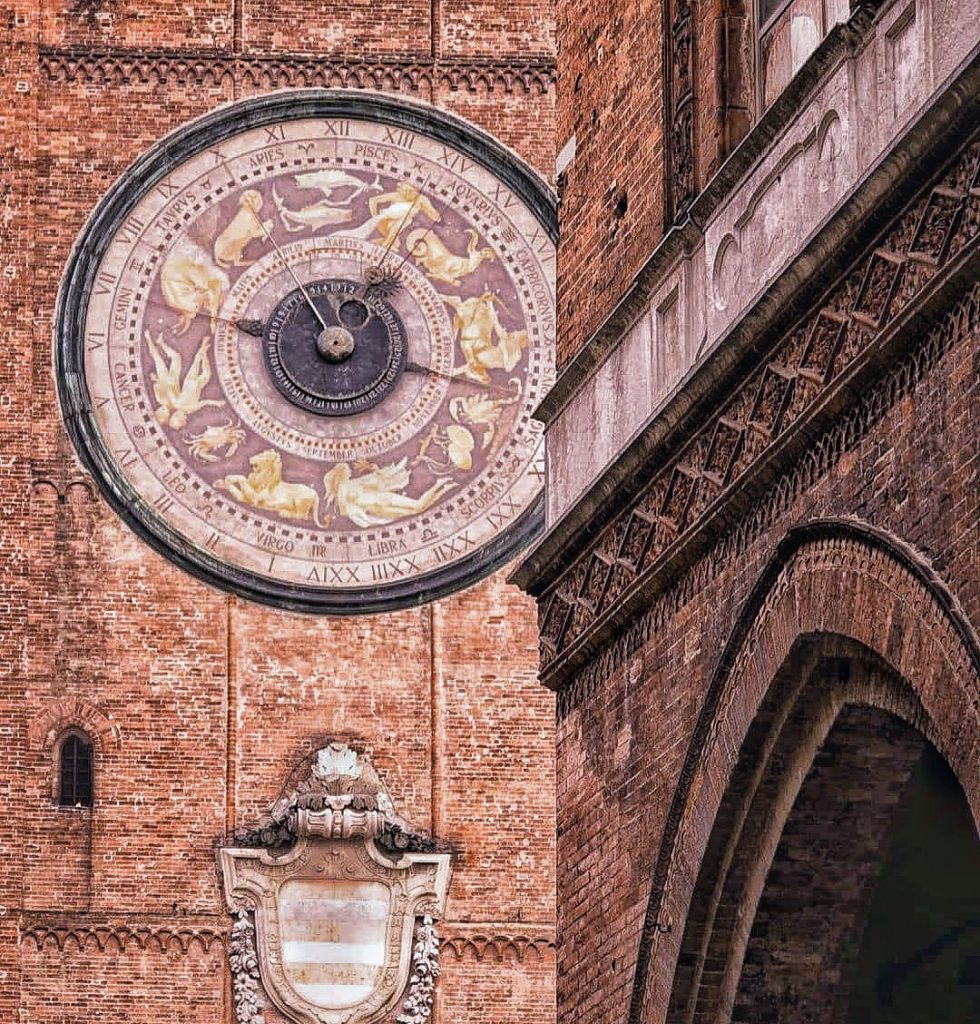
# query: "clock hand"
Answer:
x=378 y=269
x=285 y=263
x=412 y=367
x=254 y=327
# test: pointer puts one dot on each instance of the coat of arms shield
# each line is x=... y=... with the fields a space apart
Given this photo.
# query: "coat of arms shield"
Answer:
x=335 y=909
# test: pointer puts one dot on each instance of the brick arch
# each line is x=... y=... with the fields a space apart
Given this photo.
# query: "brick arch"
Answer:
x=830 y=582
x=45 y=729
x=822 y=758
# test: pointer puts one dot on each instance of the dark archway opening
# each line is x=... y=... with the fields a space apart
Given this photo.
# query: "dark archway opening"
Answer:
x=841 y=883
x=919 y=958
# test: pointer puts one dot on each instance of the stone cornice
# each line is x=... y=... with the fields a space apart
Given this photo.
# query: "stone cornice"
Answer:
x=840 y=43
x=672 y=507
x=409 y=73
x=891 y=182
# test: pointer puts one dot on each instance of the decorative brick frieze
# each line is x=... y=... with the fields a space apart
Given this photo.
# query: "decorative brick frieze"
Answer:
x=210 y=69
x=810 y=375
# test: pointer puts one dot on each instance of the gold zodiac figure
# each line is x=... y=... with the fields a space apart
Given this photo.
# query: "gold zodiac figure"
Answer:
x=191 y=282
x=205 y=446
x=264 y=488
x=244 y=227
x=479 y=410
x=376 y=497
x=316 y=215
x=442 y=264
x=178 y=398
x=477 y=325
x=455 y=442
x=393 y=210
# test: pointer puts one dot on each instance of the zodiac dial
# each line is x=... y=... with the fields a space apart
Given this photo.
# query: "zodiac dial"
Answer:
x=299 y=345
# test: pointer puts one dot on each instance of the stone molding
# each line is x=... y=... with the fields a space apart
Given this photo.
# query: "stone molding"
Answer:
x=121 y=67
x=918 y=264
x=866 y=119
x=808 y=589
x=843 y=41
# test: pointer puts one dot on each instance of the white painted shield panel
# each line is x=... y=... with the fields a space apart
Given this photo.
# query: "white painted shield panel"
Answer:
x=332 y=935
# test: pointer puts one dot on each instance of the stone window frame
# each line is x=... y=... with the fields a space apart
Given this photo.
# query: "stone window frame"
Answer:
x=831 y=12
x=72 y=732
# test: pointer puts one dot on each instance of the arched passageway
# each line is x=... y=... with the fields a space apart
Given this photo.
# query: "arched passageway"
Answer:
x=841 y=882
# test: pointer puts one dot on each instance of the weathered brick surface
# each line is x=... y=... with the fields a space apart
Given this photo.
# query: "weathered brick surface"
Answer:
x=610 y=86
x=622 y=742
x=203 y=706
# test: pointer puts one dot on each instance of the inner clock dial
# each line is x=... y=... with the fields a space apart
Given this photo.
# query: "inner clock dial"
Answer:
x=334 y=348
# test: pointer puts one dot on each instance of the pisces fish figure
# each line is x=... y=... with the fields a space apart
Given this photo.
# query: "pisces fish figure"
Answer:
x=310 y=218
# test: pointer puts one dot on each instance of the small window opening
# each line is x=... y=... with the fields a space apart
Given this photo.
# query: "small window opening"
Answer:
x=75 y=778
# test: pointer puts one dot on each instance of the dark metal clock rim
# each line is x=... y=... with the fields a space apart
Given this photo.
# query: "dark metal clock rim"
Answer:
x=300 y=394
x=78 y=281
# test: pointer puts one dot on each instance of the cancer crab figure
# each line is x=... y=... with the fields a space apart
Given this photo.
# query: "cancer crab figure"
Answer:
x=205 y=446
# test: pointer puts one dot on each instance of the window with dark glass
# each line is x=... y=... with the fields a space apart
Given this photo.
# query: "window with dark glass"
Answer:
x=75 y=778
x=789 y=32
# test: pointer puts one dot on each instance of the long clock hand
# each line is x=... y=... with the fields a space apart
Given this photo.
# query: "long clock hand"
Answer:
x=254 y=327
x=292 y=273
x=412 y=367
x=374 y=274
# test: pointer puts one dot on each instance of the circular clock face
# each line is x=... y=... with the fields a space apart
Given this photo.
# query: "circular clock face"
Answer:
x=300 y=343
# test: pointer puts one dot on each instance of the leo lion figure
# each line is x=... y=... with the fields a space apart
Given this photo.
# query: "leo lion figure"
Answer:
x=265 y=488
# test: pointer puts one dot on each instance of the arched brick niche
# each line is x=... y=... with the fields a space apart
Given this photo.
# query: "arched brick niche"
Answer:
x=847 y=626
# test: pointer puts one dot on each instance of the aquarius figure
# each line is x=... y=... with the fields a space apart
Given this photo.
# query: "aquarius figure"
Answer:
x=178 y=398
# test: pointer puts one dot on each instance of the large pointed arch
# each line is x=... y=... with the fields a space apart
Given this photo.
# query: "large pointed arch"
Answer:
x=842 y=582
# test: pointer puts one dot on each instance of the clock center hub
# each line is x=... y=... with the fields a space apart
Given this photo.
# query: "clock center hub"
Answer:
x=335 y=344
x=331 y=350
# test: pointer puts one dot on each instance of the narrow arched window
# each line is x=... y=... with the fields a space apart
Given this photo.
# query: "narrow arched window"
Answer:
x=75 y=772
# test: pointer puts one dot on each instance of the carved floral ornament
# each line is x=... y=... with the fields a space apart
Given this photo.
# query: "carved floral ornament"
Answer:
x=334 y=897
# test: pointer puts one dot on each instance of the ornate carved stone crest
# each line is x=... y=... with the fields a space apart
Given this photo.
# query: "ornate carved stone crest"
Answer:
x=336 y=881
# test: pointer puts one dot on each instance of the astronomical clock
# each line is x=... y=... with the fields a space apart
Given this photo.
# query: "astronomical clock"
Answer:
x=299 y=345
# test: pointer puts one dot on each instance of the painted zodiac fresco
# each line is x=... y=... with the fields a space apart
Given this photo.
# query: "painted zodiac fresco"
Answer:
x=377 y=496
x=205 y=446
x=442 y=264
x=455 y=443
x=191 y=282
x=244 y=227
x=318 y=215
x=392 y=212
x=178 y=398
x=479 y=410
x=477 y=325
x=264 y=488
